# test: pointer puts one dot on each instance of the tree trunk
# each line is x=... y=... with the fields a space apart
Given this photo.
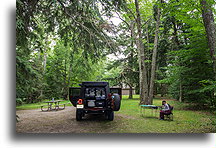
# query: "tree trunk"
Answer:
x=142 y=67
x=44 y=61
x=175 y=33
x=130 y=92
x=162 y=90
x=210 y=28
x=45 y=55
x=148 y=53
x=154 y=56
x=180 y=92
x=70 y=67
x=65 y=87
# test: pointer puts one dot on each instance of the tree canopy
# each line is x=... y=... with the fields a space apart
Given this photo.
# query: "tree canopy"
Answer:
x=164 y=47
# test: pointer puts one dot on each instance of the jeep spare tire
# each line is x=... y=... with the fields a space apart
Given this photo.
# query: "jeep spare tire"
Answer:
x=117 y=102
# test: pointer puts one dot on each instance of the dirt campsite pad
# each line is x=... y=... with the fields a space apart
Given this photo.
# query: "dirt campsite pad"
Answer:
x=64 y=121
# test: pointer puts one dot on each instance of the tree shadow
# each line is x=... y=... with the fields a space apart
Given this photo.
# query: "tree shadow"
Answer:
x=149 y=117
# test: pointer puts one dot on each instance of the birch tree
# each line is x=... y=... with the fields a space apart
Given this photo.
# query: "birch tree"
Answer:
x=208 y=19
x=142 y=67
x=154 y=56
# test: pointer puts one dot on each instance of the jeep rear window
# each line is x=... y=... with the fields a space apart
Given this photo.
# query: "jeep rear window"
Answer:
x=97 y=92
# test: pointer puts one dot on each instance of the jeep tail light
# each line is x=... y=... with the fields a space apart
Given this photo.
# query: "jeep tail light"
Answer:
x=80 y=101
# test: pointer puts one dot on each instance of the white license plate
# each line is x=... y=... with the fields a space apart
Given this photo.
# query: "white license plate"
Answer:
x=80 y=106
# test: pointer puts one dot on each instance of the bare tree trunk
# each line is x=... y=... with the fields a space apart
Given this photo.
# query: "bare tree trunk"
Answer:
x=175 y=34
x=45 y=55
x=180 y=92
x=131 y=60
x=70 y=67
x=130 y=92
x=148 y=52
x=64 y=89
x=142 y=67
x=154 y=56
x=210 y=28
x=44 y=61
x=69 y=73
x=162 y=89
x=44 y=68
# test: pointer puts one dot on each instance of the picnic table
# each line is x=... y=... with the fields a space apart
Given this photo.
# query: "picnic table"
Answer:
x=154 y=108
x=53 y=105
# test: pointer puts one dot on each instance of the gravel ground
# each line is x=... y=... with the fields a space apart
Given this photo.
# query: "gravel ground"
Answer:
x=64 y=121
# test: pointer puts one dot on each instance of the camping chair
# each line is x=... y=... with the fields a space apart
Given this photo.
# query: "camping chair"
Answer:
x=170 y=115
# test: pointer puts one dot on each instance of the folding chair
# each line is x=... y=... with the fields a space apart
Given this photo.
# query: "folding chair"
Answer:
x=170 y=115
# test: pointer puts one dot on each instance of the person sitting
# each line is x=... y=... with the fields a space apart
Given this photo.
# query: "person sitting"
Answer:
x=166 y=110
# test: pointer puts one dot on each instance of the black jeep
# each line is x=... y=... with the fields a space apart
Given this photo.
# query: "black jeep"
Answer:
x=95 y=98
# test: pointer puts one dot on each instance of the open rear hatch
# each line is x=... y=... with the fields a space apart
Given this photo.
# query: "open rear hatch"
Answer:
x=116 y=91
x=74 y=95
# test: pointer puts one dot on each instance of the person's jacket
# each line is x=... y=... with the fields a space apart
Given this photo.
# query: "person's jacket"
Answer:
x=165 y=107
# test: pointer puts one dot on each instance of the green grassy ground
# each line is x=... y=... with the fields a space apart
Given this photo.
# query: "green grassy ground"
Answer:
x=133 y=121
x=185 y=121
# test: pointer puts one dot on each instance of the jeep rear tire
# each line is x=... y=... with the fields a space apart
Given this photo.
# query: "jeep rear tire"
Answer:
x=117 y=102
x=79 y=114
x=110 y=116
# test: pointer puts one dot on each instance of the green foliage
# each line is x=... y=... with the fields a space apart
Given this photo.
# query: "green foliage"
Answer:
x=111 y=74
x=59 y=44
x=62 y=43
x=19 y=101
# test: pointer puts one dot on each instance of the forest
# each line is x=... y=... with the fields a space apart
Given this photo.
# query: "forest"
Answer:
x=158 y=47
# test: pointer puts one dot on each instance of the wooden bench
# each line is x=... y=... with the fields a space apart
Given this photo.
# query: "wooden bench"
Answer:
x=57 y=107
x=49 y=107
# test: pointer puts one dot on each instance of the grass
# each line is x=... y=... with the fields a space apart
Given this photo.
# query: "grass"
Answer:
x=132 y=121
x=185 y=121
